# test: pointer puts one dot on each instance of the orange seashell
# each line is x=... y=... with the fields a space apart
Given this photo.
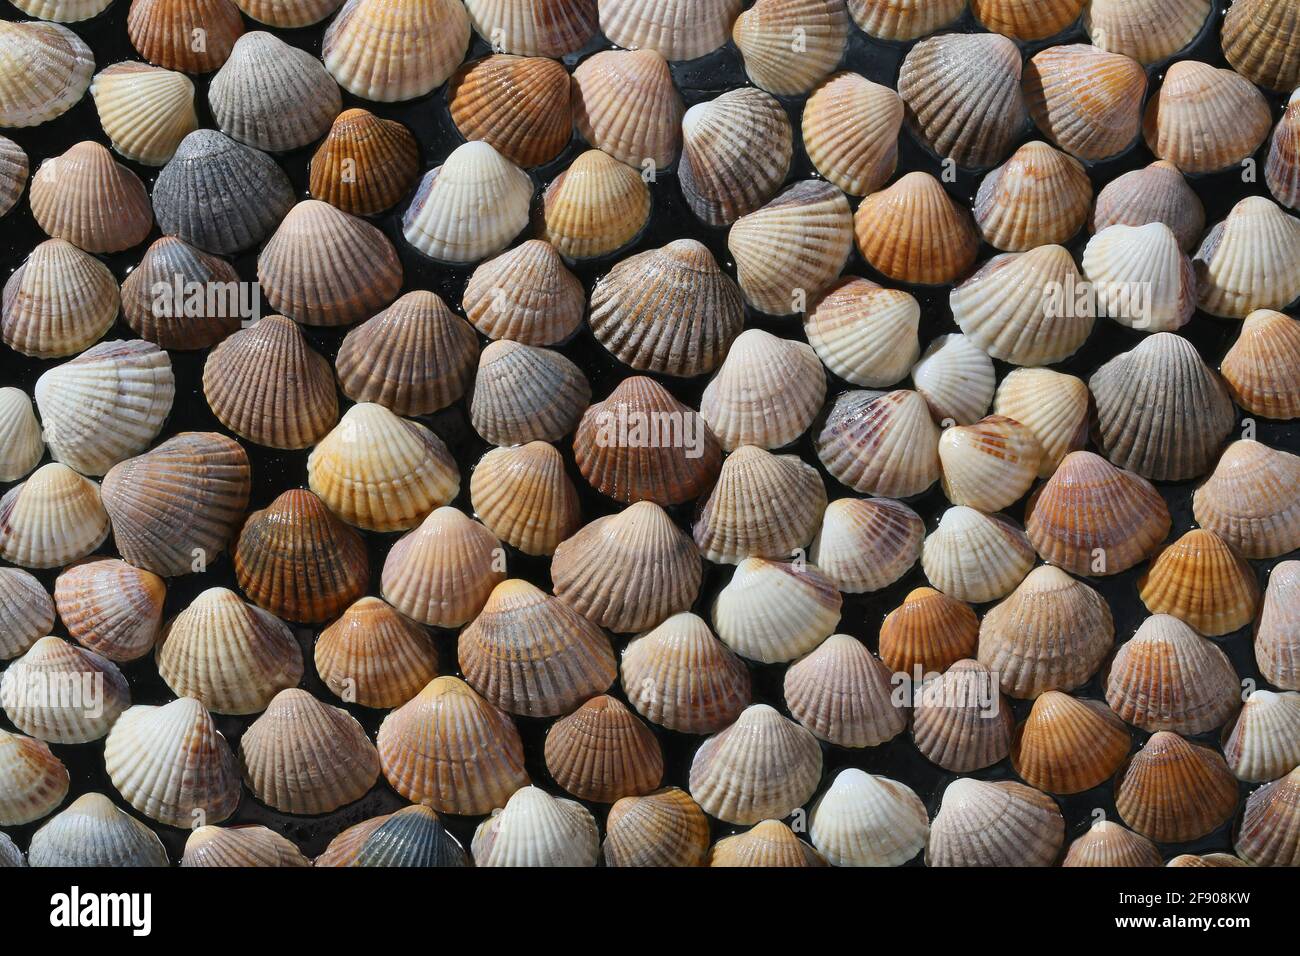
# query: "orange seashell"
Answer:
x=913 y=231
x=442 y=572
x=374 y=657
x=1109 y=844
x=518 y=104
x=1201 y=580
x=664 y=828
x=770 y=843
x=1174 y=791
x=1087 y=101
x=525 y=498
x=365 y=165
x=602 y=752
x=928 y=632
x=1067 y=745
x=163 y=31
x=110 y=607
x=1262 y=369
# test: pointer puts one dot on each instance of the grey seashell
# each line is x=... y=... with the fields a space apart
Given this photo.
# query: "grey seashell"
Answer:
x=94 y=832
x=10 y=855
x=524 y=393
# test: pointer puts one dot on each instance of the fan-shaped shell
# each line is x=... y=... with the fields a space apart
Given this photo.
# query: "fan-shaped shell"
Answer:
x=240 y=846
x=1109 y=844
x=664 y=828
x=864 y=333
x=1268 y=834
x=411 y=837
x=766 y=393
x=1249 y=261
x=928 y=633
x=1053 y=405
x=1156 y=193
x=92 y=832
x=33 y=782
x=13 y=174
x=844 y=694
x=179 y=297
x=914 y=232
x=850 y=132
x=525 y=498
x=1252 y=500
x=553 y=28
x=1204 y=119
x=523 y=393
x=1067 y=745
x=899 y=20
x=51 y=519
x=880 y=443
x=537 y=829
x=594 y=208
x=790 y=45
x=961 y=722
x=866 y=544
x=1027 y=19
x=46 y=71
x=1259 y=40
x=164 y=32
x=63 y=694
x=1084 y=99
x=525 y=294
x=520 y=105
x=774 y=611
x=1201 y=580
x=1263 y=743
x=89 y=199
x=145 y=110
x=625 y=103
x=374 y=656
x=111 y=607
x=22 y=444
x=391 y=50
x=1281 y=168
x=288 y=13
x=976 y=557
x=602 y=752
x=26 y=612
x=442 y=572
x=769 y=844
x=679 y=29
x=1174 y=791
x=1040 y=196
x=956 y=379
x=59 y=302
x=994 y=823
x=868 y=820
x=365 y=165
x=990 y=464
x=1141 y=277
x=1146 y=30
x=1261 y=369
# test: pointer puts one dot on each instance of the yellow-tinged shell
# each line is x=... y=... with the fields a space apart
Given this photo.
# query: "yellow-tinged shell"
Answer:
x=844 y=694
x=1110 y=844
x=850 y=132
x=26 y=612
x=442 y=572
x=1174 y=791
x=1156 y=193
x=679 y=29
x=769 y=844
x=156 y=306
x=764 y=33
x=928 y=633
x=1204 y=119
x=1146 y=30
x=664 y=828
x=1250 y=260
x=525 y=294
x=33 y=782
x=866 y=544
x=93 y=832
x=375 y=657
x=994 y=823
x=111 y=607
x=1263 y=743
x=990 y=464
x=524 y=393
x=625 y=103
x=774 y=611
x=956 y=379
x=391 y=50
x=22 y=444
x=914 y=232
x=1252 y=500
x=864 y=333
x=960 y=720
x=1277 y=636
x=51 y=519
x=595 y=207
x=365 y=164
x=537 y=829
x=1270 y=832
x=248 y=845
x=1040 y=196
x=145 y=110
x=1067 y=745
x=553 y=28
x=602 y=752
x=1141 y=277
x=59 y=302
x=524 y=497
x=45 y=69
x=868 y=820
x=1027 y=19
x=1084 y=99
x=1201 y=580
x=1259 y=40
x=91 y=200
x=63 y=694
x=519 y=105
x=880 y=443
x=1053 y=405
x=1262 y=369
x=164 y=32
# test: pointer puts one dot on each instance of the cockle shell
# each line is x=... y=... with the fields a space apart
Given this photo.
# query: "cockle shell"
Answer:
x=1174 y=791
x=880 y=443
x=994 y=823
x=240 y=846
x=1201 y=580
x=844 y=694
x=10 y=855
x=523 y=393
x=63 y=694
x=553 y=28
x=594 y=208
x=864 y=333
x=288 y=13
x=365 y=165
x=92 y=832
x=375 y=657
x=1053 y=405
x=91 y=200
x=179 y=297
x=1146 y=30
x=899 y=20
x=625 y=103
x=391 y=50
x=1263 y=743
x=164 y=32
x=774 y=611
x=961 y=721
x=33 y=782
x=914 y=232
x=525 y=294
x=1206 y=860
x=1141 y=277
x=46 y=70
x=766 y=392
x=22 y=444
x=1109 y=844
x=1040 y=196
x=1270 y=833
x=1204 y=119
x=59 y=302
x=1250 y=260
x=1027 y=19
x=63 y=11
x=145 y=110
x=602 y=752
x=928 y=632
x=537 y=829
x=1067 y=745
x=976 y=557
x=783 y=66
x=1262 y=369
x=1252 y=499
x=769 y=844
x=867 y=820
x=1259 y=40
x=524 y=497
x=850 y=132
x=51 y=519
x=1156 y=193
x=26 y=612
x=442 y=572
x=990 y=464
x=13 y=174
x=411 y=837
x=519 y=105
x=664 y=828
x=111 y=607
x=1087 y=101
x=679 y=29
x=1281 y=168
x=866 y=544
x=956 y=379
x=1277 y=638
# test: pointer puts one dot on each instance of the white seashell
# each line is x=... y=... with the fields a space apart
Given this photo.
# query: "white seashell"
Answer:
x=92 y=832
x=956 y=379
x=1141 y=277
x=679 y=29
x=867 y=820
x=26 y=612
x=145 y=110
x=537 y=829
x=1053 y=405
x=1249 y=261
x=51 y=519
x=976 y=557
x=21 y=443
x=864 y=333
x=62 y=693
x=866 y=544
x=772 y=611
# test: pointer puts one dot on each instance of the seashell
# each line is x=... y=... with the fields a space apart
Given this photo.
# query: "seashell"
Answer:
x=976 y=557
x=628 y=571
x=1277 y=649
x=46 y=70
x=880 y=443
x=844 y=695
x=172 y=764
x=530 y=653
x=664 y=828
x=1109 y=844
x=393 y=50
x=411 y=837
x=59 y=302
x=625 y=103
x=145 y=110
x=1173 y=790
x=1051 y=633
x=365 y=165
x=1281 y=168
x=962 y=92
x=1157 y=193
x=163 y=32
x=864 y=333
x=1269 y=835
x=1093 y=518
x=771 y=611
x=1053 y=405
x=1024 y=308
x=441 y=572
x=594 y=208
x=1252 y=500
x=518 y=105
x=913 y=231
x=956 y=380
x=990 y=464
x=381 y=472
x=1148 y=31
x=110 y=607
x=450 y=749
x=230 y=655
x=22 y=444
x=602 y=752
x=1204 y=119
x=763 y=35
x=762 y=766
x=179 y=297
x=92 y=832
x=766 y=393
x=175 y=508
x=1263 y=743
x=961 y=722
x=928 y=632
x=770 y=844
x=1199 y=579
x=763 y=505
x=668 y=310
x=900 y=20
x=1084 y=99
x=1249 y=261
x=374 y=657
x=868 y=820
x=305 y=757
x=537 y=829
x=63 y=11
x=1259 y=42
x=523 y=393
x=1260 y=368
x=736 y=151
x=33 y=782
x=1208 y=859
x=13 y=174
x=297 y=560
x=51 y=519
x=273 y=96
x=1026 y=19
x=1068 y=745
x=866 y=544
x=524 y=497
x=994 y=823
x=287 y=14
x=26 y=612
x=1040 y=196
x=63 y=694
x=1168 y=677
x=414 y=358
x=87 y=198
x=792 y=248
x=678 y=29
x=266 y=383
x=245 y=194
x=554 y=28
x=10 y=855
x=525 y=294
x=105 y=405
x=1141 y=277
x=240 y=846
x=470 y=207
x=850 y=132
x=681 y=677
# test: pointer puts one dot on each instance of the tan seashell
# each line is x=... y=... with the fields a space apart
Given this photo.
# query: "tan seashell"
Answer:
x=1259 y=41
x=1084 y=99
x=928 y=633
x=530 y=653
x=1277 y=639
x=628 y=571
x=1093 y=518
x=914 y=232
x=1168 y=677
x=145 y=110
x=880 y=443
x=976 y=557
x=1027 y=19
x=51 y=519
x=523 y=393
x=866 y=544
x=1053 y=405
x=519 y=105
x=766 y=393
x=594 y=208
x=93 y=832
x=553 y=28
x=960 y=721
x=1051 y=633
x=1109 y=844
x=365 y=165
x=1206 y=860
x=1252 y=500
x=850 y=132
x=381 y=472
x=110 y=607
x=1250 y=260
x=1204 y=119
x=537 y=829
x=678 y=29
x=412 y=837
x=762 y=766
x=625 y=103
x=63 y=694
x=441 y=572
x=763 y=505
x=844 y=694
x=956 y=379
x=46 y=71
x=1261 y=367
x=771 y=611
x=524 y=497
x=1202 y=581
x=990 y=464
x=63 y=11
x=287 y=14
x=994 y=823
x=1263 y=743
x=163 y=32
x=1148 y=30
x=33 y=782
x=22 y=445
x=763 y=35
x=156 y=306
x=769 y=844
x=26 y=612
x=240 y=846
x=1157 y=193
x=864 y=333
x=392 y=50
x=1141 y=277
x=526 y=294
x=1174 y=791
x=1068 y=745
x=13 y=174
x=1040 y=196
x=59 y=302
x=450 y=749
x=602 y=752
x=664 y=828
x=1281 y=168
x=899 y=20
x=374 y=657
x=1269 y=835
x=866 y=820
x=681 y=677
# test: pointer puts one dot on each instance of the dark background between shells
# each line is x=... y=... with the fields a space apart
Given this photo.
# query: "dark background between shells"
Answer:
x=276 y=471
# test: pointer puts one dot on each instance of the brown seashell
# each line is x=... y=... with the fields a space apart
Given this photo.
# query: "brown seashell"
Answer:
x=1262 y=369
x=553 y=28
x=1277 y=638
x=52 y=518
x=62 y=717
x=525 y=294
x=163 y=32
x=1067 y=745
x=1087 y=101
x=1206 y=860
x=880 y=443
x=866 y=544
x=769 y=844
x=625 y=103
x=1263 y=742
x=1040 y=196
x=990 y=464
x=1027 y=19
x=850 y=132
x=1053 y=405
x=523 y=393
x=33 y=782
x=59 y=302
x=961 y=722
x=1252 y=500
x=1281 y=168
x=772 y=611
x=1174 y=791
x=26 y=612
x=168 y=320
x=1204 y=119
x=1270 y=831
x=375 y=657
x=1146 y=30
x=240 y=846
x=664 y=828
x=365 y=165
x=844 y=694
x=1259 y=40
x=525 y=498
x=442 y=572
x=89 y=199
x=994 y=823
x=594 y=208
x=679 y=29
x=518 y=104
x=928 y=633
x=764 y=32
x=1157 y=193
x=602 y=752
x=914 y=232
x=1201 y=580
x=110 y=607
x=1109 y=844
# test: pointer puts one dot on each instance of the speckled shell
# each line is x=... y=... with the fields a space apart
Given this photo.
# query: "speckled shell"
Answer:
x=391 y=50
x=22 y=444
x=26 y=612
x=914 y=232
x=625 y=103
x=1146 y=30
x=47 y=70
x=33 y=782
x=1270 y=832
x=679 y=29
x=365 y=165
x=1259 y=40
x=1040 y=196
x=111 y=607
x=868 y=820
x=764 y=32
x=13 y=174
x=994 y=823
x=844 y=694
x=594 y=208
x=1201 y=580
x=766 y=392
x=956 y=379
x=92 y=832
x=442 y=572
x=664 y=828
x=523 y=393
x=899 y=20
x=1262 y=369
x=602 y=752
x=866 y=544
x=850 y=132
x=1156 y=193
x=880 y=443
x=1109 y=844
x=524 y=497
x=1174 y=791
x=89 y=199
x=537 y=829
x=51 y=519
x=374 y=656
x=769 y=844
x=240 y=846
x=526 y=294
x=520 y=105
x=163 y=32
x=1263 y=743
x=145 y=110
x=1120 y=260
x=1067 y=745
x=960 y=720
x=1252 y=500
x=1087 y=101
x=773 y=611
x=1250 y=260
x=930 y=631
x=167 y=318
x=864 y=333
x=990 y=464
x=1053 y=405
x=411 y=837
x=69 y=715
